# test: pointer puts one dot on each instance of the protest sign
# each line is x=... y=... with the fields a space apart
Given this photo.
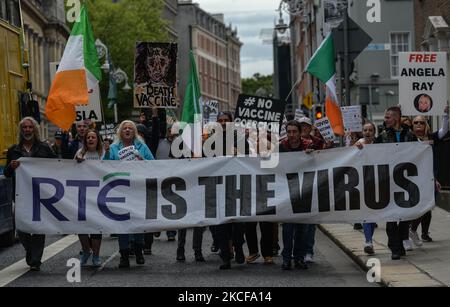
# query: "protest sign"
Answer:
x=352 y=118
x=325 y=129
x=253 y=112
x=155 y=75
x=423 y=82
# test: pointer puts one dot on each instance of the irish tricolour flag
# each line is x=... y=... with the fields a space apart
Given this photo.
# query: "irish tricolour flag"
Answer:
x=323 y=66
x=78 y=74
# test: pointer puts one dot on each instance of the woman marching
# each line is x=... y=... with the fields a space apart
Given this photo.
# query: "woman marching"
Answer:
x=92 y=150
x=369 y=132
x=128 y=137
x=422 y=131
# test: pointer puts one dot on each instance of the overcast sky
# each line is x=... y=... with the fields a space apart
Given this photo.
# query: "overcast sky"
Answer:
x=249 y=16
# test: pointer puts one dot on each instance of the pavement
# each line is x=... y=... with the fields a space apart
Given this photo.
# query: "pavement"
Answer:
x=425 y=266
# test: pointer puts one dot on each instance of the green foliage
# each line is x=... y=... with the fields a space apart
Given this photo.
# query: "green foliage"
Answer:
x=119 y=26
x=258 y=85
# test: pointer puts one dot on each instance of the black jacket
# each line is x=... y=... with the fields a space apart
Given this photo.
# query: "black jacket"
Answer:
x=389 y=136
x=15 y=152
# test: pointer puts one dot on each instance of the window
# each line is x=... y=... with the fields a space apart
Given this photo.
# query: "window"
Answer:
x=400 y=42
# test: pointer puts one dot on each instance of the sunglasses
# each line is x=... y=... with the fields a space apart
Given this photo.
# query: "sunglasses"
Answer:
x=419 y=123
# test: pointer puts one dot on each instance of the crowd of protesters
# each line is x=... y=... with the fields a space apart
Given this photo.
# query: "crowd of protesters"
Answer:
x=151 y=140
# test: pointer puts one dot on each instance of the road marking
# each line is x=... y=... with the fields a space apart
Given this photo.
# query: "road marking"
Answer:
x=20 y=268
x=105 y=263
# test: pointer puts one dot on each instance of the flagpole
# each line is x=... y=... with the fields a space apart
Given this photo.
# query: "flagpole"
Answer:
x=346 y=58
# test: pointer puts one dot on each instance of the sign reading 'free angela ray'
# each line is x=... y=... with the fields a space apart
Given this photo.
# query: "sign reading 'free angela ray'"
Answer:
x=423 y=82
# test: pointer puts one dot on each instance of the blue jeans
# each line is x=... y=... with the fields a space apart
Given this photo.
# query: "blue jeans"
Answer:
x=369 y=229
x=310 y=238
x=294 y=241
x=124 y=240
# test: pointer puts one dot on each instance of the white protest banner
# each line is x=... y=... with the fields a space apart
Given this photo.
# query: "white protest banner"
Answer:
x=127 y=153
x=352 y=118
x=325 y=129
x=92 y=111
x=384 y=182
x=423 y=82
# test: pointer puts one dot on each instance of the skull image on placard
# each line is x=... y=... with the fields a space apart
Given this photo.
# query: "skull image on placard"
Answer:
x=158 y=64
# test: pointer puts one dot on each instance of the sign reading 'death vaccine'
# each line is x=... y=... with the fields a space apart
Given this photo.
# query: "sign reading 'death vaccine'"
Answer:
x=92 y=111
x=423 y=82
x=259 y=113
x=155 y=75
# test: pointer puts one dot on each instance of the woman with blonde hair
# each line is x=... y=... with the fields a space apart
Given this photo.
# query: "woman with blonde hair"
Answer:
x=422 y=131
x=129 y=146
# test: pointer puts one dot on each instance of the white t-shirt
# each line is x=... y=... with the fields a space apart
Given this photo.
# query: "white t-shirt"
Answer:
x=89 y=155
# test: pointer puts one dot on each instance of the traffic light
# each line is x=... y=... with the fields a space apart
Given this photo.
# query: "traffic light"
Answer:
x=318 y=114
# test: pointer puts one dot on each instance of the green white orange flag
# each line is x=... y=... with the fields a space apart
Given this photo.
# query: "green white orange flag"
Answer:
x=191 y=118
x=78 y=74
x=323 y=66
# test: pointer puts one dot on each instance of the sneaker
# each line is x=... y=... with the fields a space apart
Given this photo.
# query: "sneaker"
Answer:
x=35 y=268
x=84 y=258
x=395 y=257
x=251 y=258
x=286 y=266
x=199 y=257
x=415 y=238
x=96 y=262
x=309 y=258
x=268 y=260
x=426 y=238
x=180 y=255
x=368 y=249
x=407 y=244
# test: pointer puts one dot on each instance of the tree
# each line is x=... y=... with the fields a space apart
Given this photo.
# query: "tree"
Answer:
x=119 y=26
x=258 y=84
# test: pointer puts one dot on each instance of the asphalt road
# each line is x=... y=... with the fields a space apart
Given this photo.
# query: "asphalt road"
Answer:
x=331 y=268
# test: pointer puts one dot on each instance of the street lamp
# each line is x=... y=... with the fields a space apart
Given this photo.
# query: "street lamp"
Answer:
x=116 y=76
x=281 y=27
x=293 y=7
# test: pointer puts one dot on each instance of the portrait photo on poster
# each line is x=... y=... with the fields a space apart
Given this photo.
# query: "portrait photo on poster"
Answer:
x=423 y=103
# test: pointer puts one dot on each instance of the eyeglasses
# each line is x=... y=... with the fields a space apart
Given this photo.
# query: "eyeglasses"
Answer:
x=419 y=123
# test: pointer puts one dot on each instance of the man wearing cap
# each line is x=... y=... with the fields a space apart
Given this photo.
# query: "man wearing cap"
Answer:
x=57 y=145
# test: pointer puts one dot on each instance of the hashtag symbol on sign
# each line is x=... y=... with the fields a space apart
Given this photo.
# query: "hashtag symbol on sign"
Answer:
x=249 y=102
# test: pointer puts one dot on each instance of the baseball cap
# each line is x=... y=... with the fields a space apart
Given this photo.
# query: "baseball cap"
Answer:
x=58 y=134
x=305 y=120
